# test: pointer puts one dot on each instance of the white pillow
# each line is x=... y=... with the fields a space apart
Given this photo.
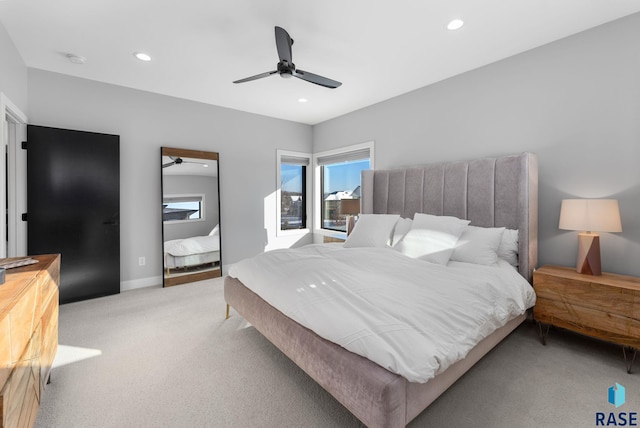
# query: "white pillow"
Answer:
x=432 y=238
x=402 y=227
x=372 y=230
x=508 y=249
x=478 y=245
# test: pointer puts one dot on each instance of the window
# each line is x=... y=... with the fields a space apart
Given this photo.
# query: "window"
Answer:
x=338 y=181
x=293 y=177
x=182 y=208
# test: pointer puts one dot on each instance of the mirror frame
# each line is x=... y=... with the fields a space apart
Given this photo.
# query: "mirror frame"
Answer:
x=196 y=276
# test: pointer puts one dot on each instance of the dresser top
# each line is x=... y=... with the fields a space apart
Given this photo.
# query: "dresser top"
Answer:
x=610 y=279
x=18 y=279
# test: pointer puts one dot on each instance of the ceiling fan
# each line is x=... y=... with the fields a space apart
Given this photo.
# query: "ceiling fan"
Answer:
x=178 y=161
x=286 y=68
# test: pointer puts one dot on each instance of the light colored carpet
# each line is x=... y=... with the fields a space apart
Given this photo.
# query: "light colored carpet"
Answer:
x=158 y=357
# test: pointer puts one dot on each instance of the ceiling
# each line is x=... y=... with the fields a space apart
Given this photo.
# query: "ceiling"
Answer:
x=378 y=49
x=189 y=166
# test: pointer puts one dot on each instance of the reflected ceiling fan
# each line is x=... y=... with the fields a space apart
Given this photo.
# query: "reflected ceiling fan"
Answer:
x=179 y=161
x=286 y=68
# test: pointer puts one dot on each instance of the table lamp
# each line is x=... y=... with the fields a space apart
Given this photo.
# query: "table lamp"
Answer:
x=350 y=208
x=589 y=216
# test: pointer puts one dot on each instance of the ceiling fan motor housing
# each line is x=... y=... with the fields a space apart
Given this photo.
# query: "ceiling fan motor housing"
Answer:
x=286 y=69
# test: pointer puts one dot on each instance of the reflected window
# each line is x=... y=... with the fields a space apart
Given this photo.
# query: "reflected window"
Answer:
x=183 y=208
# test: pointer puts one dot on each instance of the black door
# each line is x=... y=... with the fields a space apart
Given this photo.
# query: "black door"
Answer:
x=73 y=205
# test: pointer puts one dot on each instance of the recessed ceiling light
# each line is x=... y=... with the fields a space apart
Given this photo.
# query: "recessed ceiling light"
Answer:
x=76 y=59
x=302 y=100
x=142 y=56
x=455 y=24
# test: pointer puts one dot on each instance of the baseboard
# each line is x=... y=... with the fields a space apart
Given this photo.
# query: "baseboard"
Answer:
x=225 y=268
x=140 y=283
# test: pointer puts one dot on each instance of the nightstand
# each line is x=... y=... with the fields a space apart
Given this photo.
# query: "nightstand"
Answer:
x=606 y=306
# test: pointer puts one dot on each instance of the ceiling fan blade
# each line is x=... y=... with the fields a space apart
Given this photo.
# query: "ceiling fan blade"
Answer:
x=318 y=80
x=257 y=76
x=174 y=161
x=195 y=163
x=283 y=43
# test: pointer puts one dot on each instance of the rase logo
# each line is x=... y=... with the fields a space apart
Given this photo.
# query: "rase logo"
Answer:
x=616 y=397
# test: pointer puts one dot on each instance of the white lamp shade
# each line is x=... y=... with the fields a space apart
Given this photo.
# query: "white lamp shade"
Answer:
x=597 y=215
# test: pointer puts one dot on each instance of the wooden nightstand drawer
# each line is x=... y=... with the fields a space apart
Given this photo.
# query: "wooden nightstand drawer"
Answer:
x=592 y=322
x=589 y=295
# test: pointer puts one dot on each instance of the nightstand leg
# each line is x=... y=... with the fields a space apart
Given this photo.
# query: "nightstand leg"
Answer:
x=226 y=315
x=543 y=331
x=626 y=349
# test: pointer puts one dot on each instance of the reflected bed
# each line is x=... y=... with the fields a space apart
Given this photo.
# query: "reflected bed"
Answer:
x=194 y=251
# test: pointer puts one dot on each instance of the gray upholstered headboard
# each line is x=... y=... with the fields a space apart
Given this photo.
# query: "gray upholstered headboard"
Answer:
x=490 y=192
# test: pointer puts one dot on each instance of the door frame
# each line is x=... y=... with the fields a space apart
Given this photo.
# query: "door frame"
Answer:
x=13 y=177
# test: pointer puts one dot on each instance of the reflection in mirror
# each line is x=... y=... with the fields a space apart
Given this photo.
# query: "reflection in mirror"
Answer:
x=190 y=216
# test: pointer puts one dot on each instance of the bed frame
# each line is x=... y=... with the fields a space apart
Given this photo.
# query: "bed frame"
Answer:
x=490 y=192
x=179 y=262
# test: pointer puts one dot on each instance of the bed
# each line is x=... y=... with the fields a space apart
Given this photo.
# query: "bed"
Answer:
x=193 y=251
x=489 y=193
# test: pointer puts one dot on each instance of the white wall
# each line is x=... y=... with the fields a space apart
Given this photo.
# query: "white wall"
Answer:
x=13 y=72
x=246 y=143
x=574 y=102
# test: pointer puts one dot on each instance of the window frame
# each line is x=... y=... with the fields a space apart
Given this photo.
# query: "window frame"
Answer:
x=196 y=196
x=280 y=154
x=317 y=183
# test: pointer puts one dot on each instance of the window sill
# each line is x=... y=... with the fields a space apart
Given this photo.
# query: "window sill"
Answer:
x=292 y=232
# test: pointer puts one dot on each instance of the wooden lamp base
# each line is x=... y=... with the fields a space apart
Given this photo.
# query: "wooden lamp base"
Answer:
x=588 y=254
x=351 y=223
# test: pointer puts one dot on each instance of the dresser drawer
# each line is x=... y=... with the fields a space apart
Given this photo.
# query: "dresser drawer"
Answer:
x=601 y=297
x=20 y=396
x=606 y=326
x=49 y=339
x=22 y=319
x=5 y=350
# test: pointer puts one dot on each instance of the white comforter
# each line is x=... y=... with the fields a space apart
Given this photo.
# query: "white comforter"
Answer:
x=194 y=245
x=412 y=317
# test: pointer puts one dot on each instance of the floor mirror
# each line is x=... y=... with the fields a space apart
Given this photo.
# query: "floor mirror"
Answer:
x=191 y=244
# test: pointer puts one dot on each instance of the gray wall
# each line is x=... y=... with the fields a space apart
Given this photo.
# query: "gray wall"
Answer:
x=246 y=143
x=574 y=102
x=13 y=73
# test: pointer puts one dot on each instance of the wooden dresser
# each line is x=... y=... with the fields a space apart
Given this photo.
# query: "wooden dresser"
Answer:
x=28 y=338
x=606 y=306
